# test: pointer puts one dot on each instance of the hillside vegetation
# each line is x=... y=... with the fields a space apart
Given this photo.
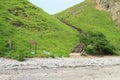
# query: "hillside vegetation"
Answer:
x=86 y=17
x=22 y=23
x=116 y=0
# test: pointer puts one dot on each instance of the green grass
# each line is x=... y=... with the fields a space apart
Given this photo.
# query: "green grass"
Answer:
x=116 y=0
x=21 y=22
x=86 y=17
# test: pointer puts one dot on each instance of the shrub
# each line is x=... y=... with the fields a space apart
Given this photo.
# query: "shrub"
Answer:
x=20 y=57
x=96 y=43
x=3 y=47
x=90 y=49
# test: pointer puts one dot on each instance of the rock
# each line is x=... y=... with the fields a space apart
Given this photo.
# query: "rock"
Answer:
x=60 y=63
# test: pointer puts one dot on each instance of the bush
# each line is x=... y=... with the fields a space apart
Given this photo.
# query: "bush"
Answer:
x=20 y=57
x=3 y=47
x=90 y=49
x=96 y=43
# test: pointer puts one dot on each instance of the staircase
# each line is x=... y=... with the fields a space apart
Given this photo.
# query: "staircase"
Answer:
x=78 y=50
x=74 y=27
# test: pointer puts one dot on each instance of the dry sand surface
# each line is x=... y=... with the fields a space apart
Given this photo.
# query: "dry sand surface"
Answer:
x=107 y=68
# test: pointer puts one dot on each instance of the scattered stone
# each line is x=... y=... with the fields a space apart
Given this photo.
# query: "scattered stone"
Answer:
x=60 y=62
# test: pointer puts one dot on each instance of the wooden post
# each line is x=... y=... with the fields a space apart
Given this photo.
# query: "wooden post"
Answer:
x=33 y=42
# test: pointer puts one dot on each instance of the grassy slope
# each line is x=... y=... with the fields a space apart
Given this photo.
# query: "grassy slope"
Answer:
x=116 y=0
x=86 y=17
x=21 y=22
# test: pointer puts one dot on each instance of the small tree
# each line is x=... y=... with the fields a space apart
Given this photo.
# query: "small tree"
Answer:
x=96 y=43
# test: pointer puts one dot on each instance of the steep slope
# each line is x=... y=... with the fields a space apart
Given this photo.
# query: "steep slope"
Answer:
x=22 y=24
x=86 y=17
x=111 y=6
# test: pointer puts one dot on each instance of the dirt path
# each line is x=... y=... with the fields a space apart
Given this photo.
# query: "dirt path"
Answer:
x=32 y=69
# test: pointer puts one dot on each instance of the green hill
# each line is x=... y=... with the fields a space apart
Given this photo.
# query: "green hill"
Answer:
x=21 y=23
x=86 y=17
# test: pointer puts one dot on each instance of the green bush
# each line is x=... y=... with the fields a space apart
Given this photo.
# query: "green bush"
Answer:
x=96 y=43
x=3 y=47
x=20 y=57
x=90 y=49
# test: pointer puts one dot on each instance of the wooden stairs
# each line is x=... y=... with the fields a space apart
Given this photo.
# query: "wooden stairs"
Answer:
x=78 y=50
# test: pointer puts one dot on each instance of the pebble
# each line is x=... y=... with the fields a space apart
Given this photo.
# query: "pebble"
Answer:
x=59 y=62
